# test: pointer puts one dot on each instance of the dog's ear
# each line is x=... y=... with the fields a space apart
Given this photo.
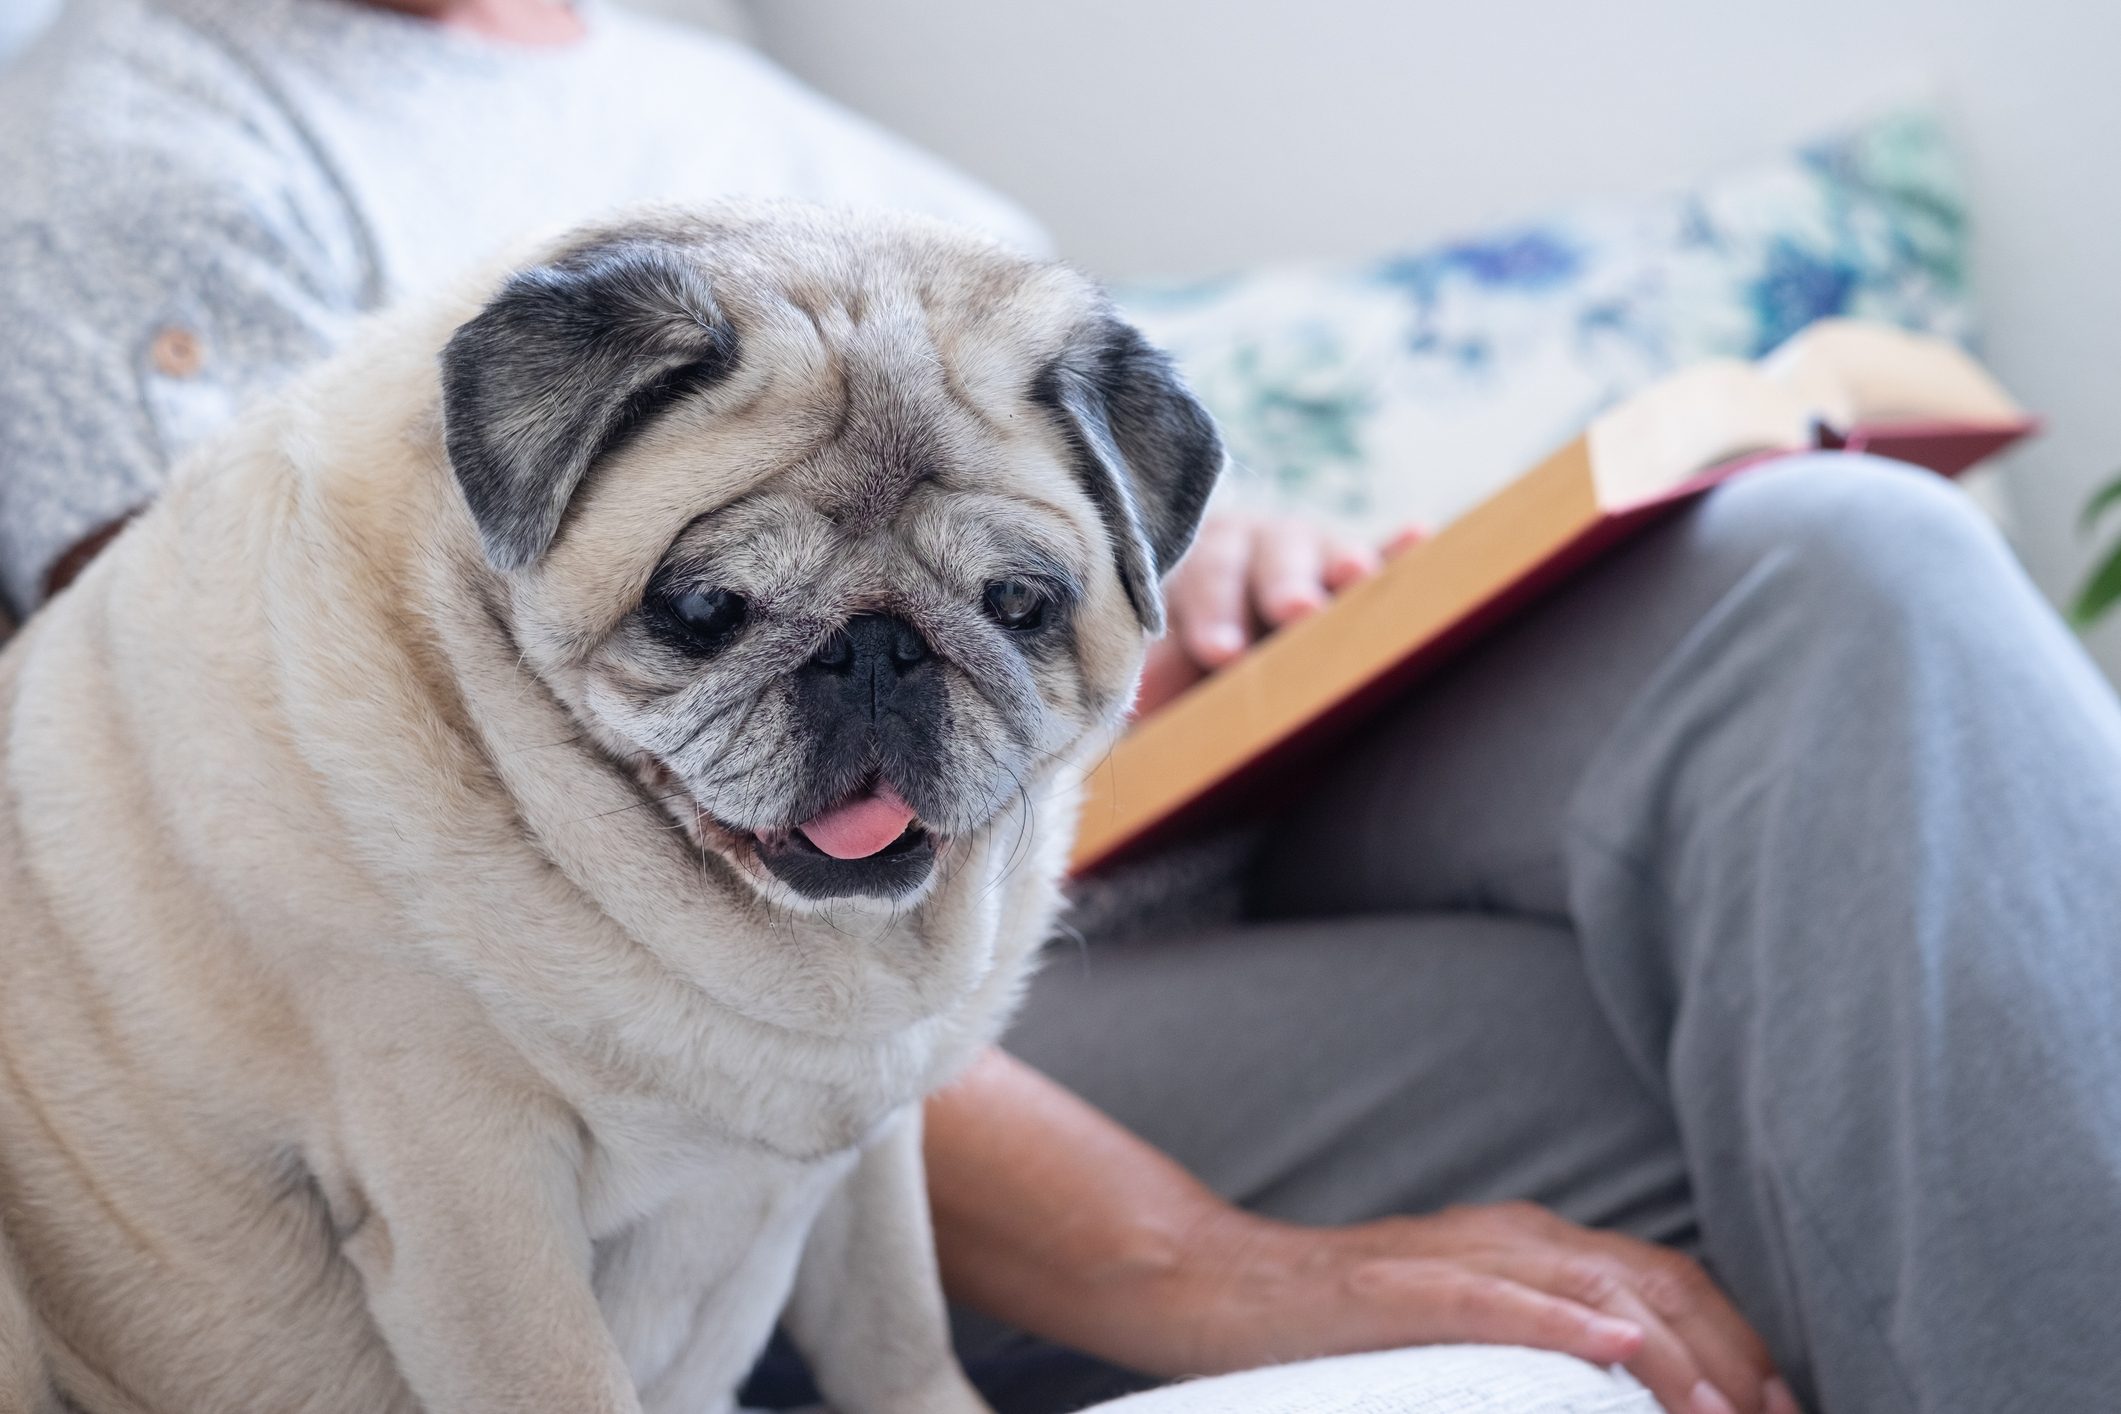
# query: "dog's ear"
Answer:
x=568 y=361
x=1144 y=448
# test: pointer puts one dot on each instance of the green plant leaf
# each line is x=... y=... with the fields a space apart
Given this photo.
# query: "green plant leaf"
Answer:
x=2109 y=496
x=2099 y=593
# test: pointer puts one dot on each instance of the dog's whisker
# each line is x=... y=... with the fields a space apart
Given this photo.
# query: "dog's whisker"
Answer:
x=648 y=803
x=575 y=740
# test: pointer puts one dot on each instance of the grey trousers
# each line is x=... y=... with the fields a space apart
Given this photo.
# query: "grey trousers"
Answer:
x=1760 y=894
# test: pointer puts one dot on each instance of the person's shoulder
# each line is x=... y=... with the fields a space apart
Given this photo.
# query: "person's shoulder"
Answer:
x=122 y=104
x=133 y=145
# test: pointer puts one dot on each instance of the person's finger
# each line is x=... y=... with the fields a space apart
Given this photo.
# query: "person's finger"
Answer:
x=1404 y=539
x=1288 y=572
x=1167 y=671
x=1347 y=562
x=1731 y=1354
x=1665 y=1364
x=1206 y=595
x=1451 y=1304
x=1681 y=1296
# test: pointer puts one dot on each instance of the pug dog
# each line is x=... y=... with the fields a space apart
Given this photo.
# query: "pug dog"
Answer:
x=492 y=862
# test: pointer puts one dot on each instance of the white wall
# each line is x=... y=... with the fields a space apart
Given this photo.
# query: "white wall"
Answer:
x=1180 y=135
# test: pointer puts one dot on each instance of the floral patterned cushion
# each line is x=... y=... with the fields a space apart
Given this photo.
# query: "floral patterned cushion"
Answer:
x=1402 y=390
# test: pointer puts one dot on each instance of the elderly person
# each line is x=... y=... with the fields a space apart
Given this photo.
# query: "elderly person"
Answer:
x=1752 y=906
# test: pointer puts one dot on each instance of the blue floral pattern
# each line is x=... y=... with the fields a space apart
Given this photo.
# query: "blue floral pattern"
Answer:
x=1404 y=389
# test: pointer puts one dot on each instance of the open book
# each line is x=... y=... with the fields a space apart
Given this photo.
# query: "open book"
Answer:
x=1232 y=740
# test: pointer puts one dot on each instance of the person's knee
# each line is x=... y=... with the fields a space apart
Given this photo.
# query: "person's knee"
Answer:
x=1860 y=536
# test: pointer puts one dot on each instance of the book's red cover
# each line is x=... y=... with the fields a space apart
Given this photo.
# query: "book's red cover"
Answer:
x=1947 y=448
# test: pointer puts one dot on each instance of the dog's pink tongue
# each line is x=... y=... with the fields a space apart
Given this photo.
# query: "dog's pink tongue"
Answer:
x=858 y=828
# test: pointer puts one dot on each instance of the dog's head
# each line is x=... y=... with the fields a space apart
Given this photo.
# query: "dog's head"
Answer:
x=835 y=530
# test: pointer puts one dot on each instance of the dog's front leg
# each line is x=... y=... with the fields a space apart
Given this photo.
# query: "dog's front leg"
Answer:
x=868 y=1305
x=467 y=1233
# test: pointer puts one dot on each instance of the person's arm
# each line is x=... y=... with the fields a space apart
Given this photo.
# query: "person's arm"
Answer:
x=1054 y=1219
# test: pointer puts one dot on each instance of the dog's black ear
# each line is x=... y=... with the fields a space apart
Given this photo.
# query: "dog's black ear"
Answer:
x=568 y=361
x=1145 y=450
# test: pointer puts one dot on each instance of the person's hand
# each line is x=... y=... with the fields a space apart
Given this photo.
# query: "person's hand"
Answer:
x=1054 y=1219
x=1249 y=1292
x=1247 y=575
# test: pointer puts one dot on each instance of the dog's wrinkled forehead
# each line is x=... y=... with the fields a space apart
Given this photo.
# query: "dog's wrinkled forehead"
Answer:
x=880 y=354
x=889 y=386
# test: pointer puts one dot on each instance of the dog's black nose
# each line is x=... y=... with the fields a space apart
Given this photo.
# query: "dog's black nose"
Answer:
x=872 y=641
x=871 y=703
x=877 y=665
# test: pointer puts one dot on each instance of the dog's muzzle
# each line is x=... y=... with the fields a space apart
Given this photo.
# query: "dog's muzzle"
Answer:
x=872 y=701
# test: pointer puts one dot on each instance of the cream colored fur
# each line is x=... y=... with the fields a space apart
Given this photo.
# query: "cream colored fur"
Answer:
x=371 y=1042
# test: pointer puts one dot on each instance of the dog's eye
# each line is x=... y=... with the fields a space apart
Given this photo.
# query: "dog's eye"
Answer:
x=701 y=620
x=1016 y=605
